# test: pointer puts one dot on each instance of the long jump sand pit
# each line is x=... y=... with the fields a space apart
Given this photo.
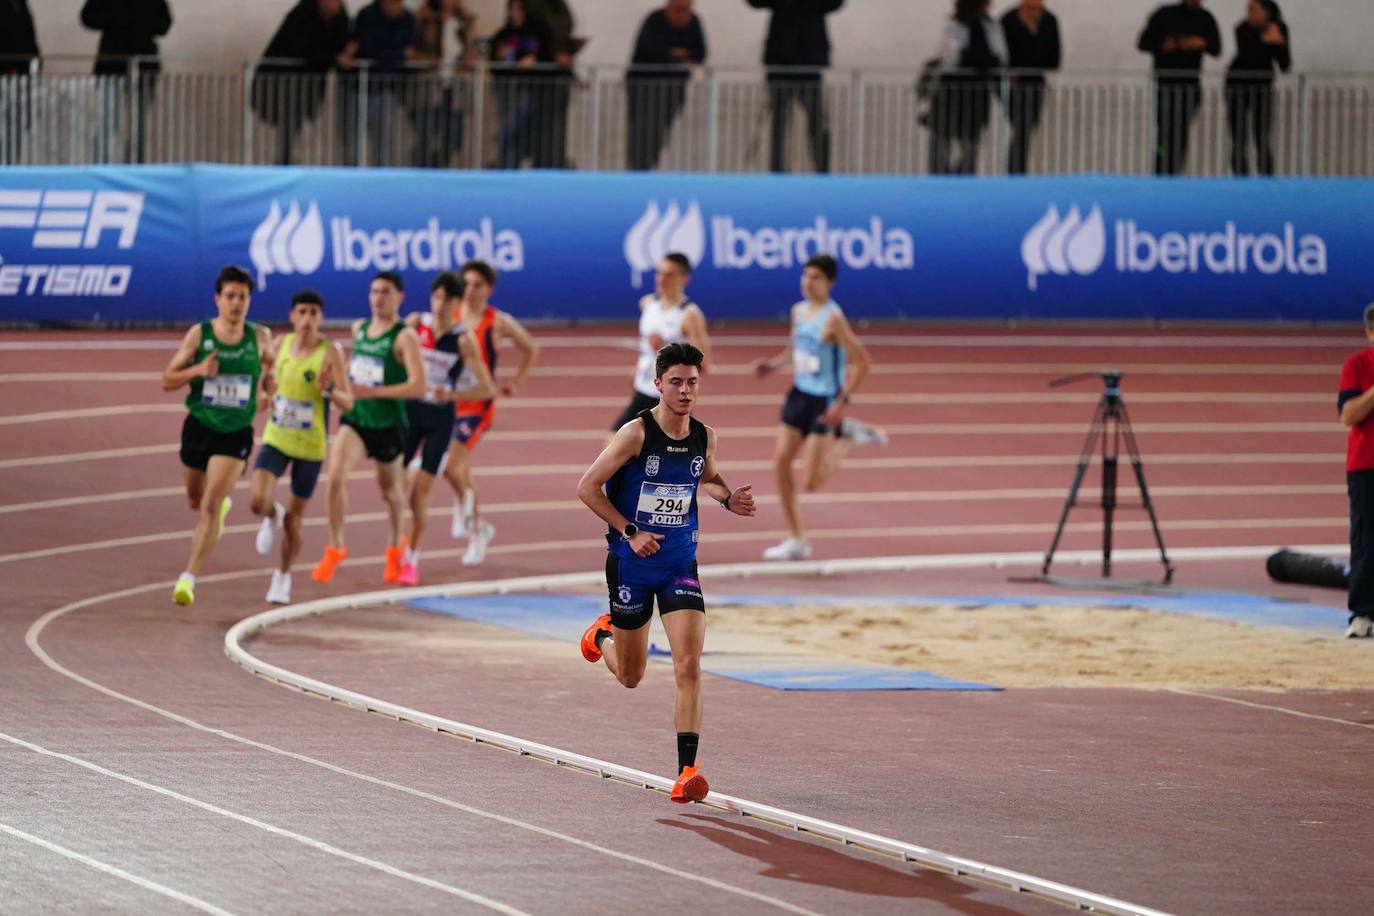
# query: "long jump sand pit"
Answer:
x=1055 y=645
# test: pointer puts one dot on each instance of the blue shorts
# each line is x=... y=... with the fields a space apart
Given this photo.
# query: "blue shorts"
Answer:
x=304 y=474
x=634 y=584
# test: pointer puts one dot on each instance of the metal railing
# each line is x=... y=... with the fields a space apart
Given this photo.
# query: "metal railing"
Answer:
x=711 y=120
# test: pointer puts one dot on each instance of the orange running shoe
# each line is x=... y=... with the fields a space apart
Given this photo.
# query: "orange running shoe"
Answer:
x=691 y=786
x=324 y=570
x=392 y=572
x=590 y=651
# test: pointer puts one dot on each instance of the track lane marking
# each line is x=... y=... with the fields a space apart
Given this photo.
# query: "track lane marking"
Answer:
x=32 y=640
x=930 y=399
x=853 y=464
x=1253 y=705
x=319 y=845
x=1041 y=528
x=115 y=871
x=598 y=436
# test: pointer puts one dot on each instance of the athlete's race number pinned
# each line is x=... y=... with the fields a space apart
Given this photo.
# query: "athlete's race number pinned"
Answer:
x=289 y=413
x=227 y=391
x=805 y=361
x=663 y=504
x=368 y=371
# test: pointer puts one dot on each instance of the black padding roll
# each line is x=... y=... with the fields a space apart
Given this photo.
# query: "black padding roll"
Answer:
x=1307 y=569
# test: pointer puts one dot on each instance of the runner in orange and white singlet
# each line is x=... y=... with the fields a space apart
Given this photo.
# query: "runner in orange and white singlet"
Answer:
x=491 y=326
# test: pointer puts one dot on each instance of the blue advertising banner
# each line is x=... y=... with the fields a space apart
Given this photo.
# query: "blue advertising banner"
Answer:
x=143 y=244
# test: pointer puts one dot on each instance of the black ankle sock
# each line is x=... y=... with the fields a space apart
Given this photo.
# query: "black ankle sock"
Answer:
x=601 y=636
x=687 y=749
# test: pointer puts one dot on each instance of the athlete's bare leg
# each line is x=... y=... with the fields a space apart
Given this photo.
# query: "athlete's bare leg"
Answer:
x=344 y=455
x=458 y=473
x=260 y=486
x=626 y=654
x=390 y=476
x=821 y=458
x=195 y=487
x=686 y=630
x=219 y=479
x=421 y=483
x=788 y=444
x=292 y=538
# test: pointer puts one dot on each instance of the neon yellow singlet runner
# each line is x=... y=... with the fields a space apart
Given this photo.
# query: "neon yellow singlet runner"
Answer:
x=297 y=427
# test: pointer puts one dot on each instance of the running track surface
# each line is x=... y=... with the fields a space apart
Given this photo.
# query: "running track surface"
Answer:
x=254 y=798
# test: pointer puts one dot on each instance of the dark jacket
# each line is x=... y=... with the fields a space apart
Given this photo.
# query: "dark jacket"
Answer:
x=511 y=45
x=655 y=45
x=1027 y=50
x=18 y=41
x=383 y=41
x=556 y=19
x=127 y=28
x=796 y=32
x=1176 y=21
x=304 y=43
x=1255 y=61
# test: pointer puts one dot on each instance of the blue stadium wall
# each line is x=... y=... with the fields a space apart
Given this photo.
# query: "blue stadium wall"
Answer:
x=143 y=244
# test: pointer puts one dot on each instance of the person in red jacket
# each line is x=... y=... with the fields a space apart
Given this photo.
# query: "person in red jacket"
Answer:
x=1356 y=404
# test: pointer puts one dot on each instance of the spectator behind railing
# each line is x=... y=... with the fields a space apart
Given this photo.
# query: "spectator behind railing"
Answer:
x=972 y=53
x=555 y=89
x=670 y=41
x=313 y=39
x=443 y=44
x=1261 y=45
x=18 y=51
x=18 y=40
x=1032 y=36
x=797 y=38
x=386 y=33
x=1177 y=35
x=517 y=51
x=129 y=30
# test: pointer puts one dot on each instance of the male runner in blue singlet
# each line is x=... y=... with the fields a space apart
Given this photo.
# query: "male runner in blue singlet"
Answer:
x=828 y=364
x=650 y=473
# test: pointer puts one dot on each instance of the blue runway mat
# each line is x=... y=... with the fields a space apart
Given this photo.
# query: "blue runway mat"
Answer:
x=564 y=617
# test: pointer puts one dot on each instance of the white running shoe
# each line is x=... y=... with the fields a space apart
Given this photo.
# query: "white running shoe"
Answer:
x=477 y=544
x=790 y=549
x=269 y=529
x=279 y=592
x=860 y=433
x=462 y=514
x=1360 y=628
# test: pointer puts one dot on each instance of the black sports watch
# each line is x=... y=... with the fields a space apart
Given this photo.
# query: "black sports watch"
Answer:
x=629 y=531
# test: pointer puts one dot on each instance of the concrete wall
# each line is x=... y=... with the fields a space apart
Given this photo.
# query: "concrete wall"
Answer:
x=1328 y=35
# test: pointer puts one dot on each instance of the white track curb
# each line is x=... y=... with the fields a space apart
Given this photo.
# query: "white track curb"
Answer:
x=956 y=865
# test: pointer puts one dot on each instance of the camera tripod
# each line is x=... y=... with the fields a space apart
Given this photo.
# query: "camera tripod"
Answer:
x=1111 y=426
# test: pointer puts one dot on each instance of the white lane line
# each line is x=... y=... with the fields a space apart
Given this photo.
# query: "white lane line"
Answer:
x=249 y=627
x=86 y=413
x=304 y=840
x=1284 y=710
x=917 y=531
x=36 y=629
x=1127 y=340
x=45 y=377
x=1001 y=430
x=957 y=864
x=961 y=398
x=106 y=454
x=922 y=368
x=178 y=896
x=852 y=464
